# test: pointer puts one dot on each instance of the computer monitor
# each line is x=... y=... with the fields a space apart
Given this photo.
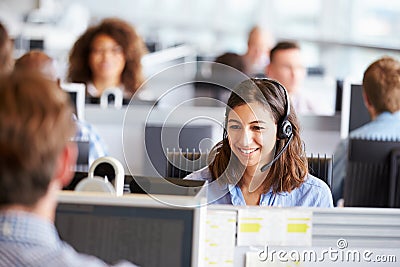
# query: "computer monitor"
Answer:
x=134 y=227
x=77 y=93
x=160 y=137
x=354 y=113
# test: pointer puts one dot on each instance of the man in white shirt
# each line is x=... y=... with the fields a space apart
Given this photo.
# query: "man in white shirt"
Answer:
x=287 y=67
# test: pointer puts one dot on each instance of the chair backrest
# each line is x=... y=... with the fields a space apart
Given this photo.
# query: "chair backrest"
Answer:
x=372 y=174
x=321 y=166
x=181 y=163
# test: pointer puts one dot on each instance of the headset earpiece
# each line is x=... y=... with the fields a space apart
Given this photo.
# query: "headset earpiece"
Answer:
x=285 y=130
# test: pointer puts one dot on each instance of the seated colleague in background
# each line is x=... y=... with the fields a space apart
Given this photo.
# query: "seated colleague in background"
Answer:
x=259 y=43
x=381 y=93
x=261 y=160
x=36 y=157
x=6 y=51
x=108 y=55
x=286 y=66
x=45 y=65
x=233 y=60
x=37 y=61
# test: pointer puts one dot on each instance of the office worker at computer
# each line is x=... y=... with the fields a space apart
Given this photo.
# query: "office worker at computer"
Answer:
x=381 y=94
x=35 y=163
x=39 y=61
x=259 y=43
x=108 y=55
x=286 y=66
x=232 y=60
x=261 y=160
x=6 y=51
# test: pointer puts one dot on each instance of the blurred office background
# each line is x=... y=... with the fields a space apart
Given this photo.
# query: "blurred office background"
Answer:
x=339 y=37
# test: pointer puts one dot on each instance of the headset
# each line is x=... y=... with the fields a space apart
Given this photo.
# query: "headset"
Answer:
x=100 y=171
x=285 y=129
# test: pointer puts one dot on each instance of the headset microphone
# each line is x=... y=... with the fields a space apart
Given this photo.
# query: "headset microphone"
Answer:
x=266 y=166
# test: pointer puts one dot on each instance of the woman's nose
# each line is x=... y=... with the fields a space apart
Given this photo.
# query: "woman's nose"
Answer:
x=246 y=137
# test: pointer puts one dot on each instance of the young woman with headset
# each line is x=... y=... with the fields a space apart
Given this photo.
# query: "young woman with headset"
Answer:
x=261 y=160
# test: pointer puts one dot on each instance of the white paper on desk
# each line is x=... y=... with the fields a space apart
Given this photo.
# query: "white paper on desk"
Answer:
x=298 y=227
x=220 y=238
x=281 y=227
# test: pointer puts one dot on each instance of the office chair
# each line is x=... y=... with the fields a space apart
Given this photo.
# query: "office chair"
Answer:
x=181 y=163
x=372 y=174
x=321 y=167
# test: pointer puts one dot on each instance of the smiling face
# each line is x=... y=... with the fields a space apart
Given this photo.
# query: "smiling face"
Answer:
x=106 y=59
x=252 y=134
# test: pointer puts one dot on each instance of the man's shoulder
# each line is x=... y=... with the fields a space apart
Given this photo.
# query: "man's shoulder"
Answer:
x=383 y=127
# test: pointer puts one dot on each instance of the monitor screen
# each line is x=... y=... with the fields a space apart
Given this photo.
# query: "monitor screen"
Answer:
x=142 y=231
x=161 y=137
x=354 y=113
x=77 y=93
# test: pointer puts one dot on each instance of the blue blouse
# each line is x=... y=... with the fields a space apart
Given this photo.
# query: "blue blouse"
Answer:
x=313 y=192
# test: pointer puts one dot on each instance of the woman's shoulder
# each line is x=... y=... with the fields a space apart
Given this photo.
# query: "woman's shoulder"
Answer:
x=315 y=192
x=314 y=182
x=203 y=174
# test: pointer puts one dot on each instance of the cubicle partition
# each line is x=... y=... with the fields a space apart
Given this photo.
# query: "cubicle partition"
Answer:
x=124 y=131
x=259 y=236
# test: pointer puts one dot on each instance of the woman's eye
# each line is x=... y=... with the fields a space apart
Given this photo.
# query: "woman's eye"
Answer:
x=258 y=128
x=234 y=127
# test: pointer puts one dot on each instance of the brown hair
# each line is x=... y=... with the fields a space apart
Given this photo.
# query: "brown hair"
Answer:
x=125 y=35
x=6 y=51
x=36 y=124
x=37 y=61
x=289 y=171
x=282 y=46
x=233 y=60
x=381 y=84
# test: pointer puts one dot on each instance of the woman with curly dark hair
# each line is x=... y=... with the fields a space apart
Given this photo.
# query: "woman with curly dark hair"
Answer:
x=6 y=51
x=261 y=160
x=108 y=55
